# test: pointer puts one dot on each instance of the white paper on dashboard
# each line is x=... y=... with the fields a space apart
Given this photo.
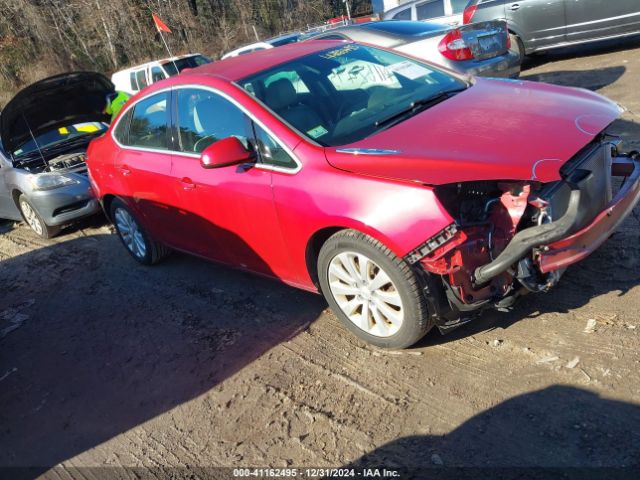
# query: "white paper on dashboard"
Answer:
x=409 y=69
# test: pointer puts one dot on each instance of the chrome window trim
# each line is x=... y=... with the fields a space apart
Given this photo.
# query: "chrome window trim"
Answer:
x=368 y=151
x=124 y=114
x=290 y=171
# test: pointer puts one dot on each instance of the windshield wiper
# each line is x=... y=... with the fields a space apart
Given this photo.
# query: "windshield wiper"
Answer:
x=417 y=106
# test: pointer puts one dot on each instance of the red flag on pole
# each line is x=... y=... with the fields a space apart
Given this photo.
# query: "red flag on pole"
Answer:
x=160 y=25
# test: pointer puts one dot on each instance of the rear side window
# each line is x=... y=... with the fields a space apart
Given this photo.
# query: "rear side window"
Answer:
x=403 y=14
x=149 y=123
x=134 y=82
x=121 y=132
x=141 y=78
x=157 y=74
x=433 y=9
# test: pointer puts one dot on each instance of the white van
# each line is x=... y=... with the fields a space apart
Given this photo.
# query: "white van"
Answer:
x=134 y=79
x=448 y=12
x=267 y=44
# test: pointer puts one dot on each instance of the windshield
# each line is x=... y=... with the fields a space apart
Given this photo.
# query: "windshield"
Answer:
x=59 y=135
x=187 y=62
x=342 y=95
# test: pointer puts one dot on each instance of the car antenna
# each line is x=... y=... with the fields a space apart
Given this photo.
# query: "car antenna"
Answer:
x=44 y=160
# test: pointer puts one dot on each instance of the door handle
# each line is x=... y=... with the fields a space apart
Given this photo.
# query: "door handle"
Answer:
x=514 y=7
x=124 y=170
x=187 y=184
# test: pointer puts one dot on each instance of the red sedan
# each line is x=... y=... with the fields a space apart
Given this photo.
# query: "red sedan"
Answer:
x=410 y=196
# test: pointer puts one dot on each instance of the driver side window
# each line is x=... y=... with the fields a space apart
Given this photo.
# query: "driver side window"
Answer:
x=205 y=117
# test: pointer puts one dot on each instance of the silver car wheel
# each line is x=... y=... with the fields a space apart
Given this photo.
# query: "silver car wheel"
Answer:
x=31 y=217
x=130 y=233
x=365 y=294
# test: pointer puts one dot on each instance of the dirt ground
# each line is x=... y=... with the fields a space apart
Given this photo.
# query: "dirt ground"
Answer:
x=188 y=364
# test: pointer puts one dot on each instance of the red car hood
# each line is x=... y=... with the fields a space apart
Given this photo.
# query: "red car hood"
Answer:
x=495 y=130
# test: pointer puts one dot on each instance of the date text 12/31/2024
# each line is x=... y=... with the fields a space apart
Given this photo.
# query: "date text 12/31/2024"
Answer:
x=315 y=473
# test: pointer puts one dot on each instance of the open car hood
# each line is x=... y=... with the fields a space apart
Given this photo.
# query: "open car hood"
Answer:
x=495 y=130
x=52 y=103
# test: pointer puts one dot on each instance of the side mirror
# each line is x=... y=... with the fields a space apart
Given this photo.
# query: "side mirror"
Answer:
x=225 y=152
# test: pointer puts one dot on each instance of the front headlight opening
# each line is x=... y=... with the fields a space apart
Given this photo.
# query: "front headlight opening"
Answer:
x=50 y=181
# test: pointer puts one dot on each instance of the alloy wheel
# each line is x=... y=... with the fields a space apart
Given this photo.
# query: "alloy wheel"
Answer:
x=130 y=233
x=366 y=294
x=31 y=217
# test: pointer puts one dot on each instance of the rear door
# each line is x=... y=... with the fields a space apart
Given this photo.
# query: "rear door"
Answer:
x=590 y=19
x=539 y=23
x=144 y=167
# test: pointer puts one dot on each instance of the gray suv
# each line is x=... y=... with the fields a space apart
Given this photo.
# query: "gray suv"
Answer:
x=44 y=134
x=538 y=25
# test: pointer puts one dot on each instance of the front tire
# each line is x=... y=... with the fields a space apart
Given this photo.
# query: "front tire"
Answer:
x=374 y=293
x=35 y=221
x=136 y=240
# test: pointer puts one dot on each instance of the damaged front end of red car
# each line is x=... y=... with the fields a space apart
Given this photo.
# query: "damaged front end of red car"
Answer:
x=515 y=237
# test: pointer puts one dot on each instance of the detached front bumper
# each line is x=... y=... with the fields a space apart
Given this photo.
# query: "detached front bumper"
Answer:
x=567 y=251
x=557 y=245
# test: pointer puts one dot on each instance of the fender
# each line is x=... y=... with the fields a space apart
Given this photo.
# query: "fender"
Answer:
x=408 y=213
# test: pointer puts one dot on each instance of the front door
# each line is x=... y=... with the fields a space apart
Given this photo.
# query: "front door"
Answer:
x=539 y=23
x=237 y=221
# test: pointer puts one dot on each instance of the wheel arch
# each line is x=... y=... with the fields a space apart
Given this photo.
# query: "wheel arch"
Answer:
x=516 y=32
x=106 y=201
x=319 y=237
x=15 y=194
x=314 y=244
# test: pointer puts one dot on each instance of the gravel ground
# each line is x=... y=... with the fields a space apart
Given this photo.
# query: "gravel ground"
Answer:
x=188 y=364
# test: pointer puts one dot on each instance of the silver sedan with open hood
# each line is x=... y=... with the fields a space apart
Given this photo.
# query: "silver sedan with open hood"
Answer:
x=44 y=133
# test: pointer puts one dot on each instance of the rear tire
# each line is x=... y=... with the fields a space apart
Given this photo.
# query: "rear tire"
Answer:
x=517 y=46
x=135 y=239
x=35 y=221
x=374 y=293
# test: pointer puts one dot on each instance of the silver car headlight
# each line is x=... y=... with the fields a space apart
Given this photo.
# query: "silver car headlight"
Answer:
x=49 y=181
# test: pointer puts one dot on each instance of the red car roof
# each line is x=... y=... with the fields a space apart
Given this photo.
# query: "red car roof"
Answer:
x=242 y=66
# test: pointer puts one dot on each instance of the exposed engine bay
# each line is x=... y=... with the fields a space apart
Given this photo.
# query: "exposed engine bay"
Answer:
x=69 y=162
x=514 y=237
